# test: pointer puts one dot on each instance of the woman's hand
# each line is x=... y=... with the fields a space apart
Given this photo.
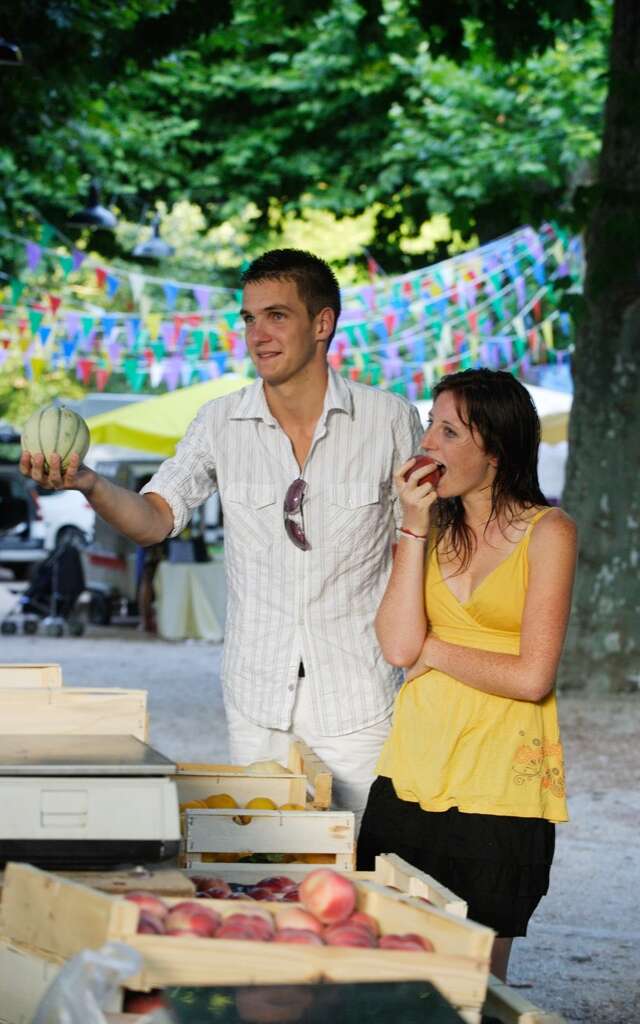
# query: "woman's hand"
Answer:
x=416 y=499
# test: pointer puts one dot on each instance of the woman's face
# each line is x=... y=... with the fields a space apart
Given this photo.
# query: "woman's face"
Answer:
x=467 y=468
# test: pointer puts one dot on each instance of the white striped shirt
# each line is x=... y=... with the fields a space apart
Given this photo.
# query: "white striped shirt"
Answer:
x=285 y=605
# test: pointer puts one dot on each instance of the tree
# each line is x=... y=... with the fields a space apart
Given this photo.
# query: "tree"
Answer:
x=338 y=104
x=603 y=485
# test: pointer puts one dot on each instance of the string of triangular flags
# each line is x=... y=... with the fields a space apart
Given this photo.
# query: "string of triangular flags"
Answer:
x=496 y=305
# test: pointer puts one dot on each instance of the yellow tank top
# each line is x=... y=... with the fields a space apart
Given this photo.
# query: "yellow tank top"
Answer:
x=454 y=746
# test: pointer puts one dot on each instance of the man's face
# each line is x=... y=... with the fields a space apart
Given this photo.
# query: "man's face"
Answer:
x=283 y=340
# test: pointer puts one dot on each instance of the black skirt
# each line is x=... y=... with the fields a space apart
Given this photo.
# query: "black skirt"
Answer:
x=499 y=865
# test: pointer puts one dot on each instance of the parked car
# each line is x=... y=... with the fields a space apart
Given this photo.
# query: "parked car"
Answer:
x=112 y=562
x=22 y=530
x=68 y=518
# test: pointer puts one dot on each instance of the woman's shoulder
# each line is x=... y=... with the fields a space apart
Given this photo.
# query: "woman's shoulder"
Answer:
x=552 y=527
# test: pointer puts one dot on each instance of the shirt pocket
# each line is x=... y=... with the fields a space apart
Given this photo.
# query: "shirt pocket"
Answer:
x=250 y=515
x=354 y=512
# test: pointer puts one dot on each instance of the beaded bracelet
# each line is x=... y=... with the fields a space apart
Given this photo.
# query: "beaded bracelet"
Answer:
x=422 y=537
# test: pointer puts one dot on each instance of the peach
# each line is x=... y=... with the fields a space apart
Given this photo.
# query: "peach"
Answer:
x=238 y=933
x=260 y=924
x=408 y=942
x=277 y=883
x=328 y=896
x=214 y=888
x=296 y=917
x=193 y=918
x=150 y=924
x=349 y=935
x=148 y=901
x=302 y=936
x=366 y=921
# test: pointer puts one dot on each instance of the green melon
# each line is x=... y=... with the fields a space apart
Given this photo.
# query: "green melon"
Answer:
x=56 y=430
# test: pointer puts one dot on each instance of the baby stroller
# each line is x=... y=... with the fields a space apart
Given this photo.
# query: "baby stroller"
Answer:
x=51 y=596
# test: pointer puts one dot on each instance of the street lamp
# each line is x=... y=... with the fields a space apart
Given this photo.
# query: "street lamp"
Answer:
x=93 y=215
x=10 y=54
x=155 y=248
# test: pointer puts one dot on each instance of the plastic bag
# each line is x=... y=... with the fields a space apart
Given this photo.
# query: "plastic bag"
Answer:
x=86 y=983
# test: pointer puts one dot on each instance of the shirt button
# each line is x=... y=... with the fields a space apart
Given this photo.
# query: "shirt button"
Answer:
x=291 y=686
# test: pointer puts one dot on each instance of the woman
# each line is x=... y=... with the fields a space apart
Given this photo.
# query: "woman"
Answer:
x=470 y=781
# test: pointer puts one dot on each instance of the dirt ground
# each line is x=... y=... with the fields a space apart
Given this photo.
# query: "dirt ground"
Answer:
x=581 y=956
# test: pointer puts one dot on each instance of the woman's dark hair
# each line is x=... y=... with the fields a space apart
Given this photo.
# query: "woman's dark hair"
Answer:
x=315 y=280
x=498 y=408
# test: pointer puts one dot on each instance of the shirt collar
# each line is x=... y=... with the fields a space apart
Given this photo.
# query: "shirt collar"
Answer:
x=253 y=404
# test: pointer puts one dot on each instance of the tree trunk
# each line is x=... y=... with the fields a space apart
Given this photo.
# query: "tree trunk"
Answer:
x=602 y=653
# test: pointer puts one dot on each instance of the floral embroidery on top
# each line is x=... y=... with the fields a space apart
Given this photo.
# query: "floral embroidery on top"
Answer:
x=531 y=762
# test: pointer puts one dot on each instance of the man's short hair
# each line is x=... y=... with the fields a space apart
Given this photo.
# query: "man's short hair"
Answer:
x=315 y=280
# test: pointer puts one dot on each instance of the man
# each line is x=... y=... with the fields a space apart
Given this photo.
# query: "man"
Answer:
x=303 y=460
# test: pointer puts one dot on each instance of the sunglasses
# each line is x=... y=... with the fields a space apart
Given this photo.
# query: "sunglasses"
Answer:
x=293 y=506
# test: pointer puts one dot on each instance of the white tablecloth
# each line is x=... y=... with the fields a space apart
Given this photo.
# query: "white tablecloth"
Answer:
x=190 y=600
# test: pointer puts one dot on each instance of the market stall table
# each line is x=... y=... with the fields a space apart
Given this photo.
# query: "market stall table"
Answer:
x=190 y=600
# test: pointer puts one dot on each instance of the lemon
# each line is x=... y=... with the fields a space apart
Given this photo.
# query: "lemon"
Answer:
x=262 y=803
x=218 y=800
x=193 y=803
x=291 y=807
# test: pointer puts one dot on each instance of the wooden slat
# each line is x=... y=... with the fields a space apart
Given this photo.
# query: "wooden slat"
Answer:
x=64 y=711
x=393 y=870
x=289 y=789
x=25 y=675
x=52 y=913
x=163 y=882
x=509 y=1007
x=269 y=831
x=303 y=760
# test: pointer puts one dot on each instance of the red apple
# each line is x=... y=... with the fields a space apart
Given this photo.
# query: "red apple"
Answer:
x=408 y=942
x=298 y=935
x=148 y=901
x=425 y=460
x=328 y=896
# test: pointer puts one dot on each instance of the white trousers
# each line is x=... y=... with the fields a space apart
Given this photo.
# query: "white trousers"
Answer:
x=350 y=758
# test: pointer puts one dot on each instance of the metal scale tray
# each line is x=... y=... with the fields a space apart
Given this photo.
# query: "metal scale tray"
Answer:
x=80 y=802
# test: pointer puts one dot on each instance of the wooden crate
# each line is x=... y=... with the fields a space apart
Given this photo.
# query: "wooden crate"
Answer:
x=307 y=782
x=290 y=833
x=226 y=834
x=25 y=976
x=48 y=710
x=389 y=870
x=30 y=675
x=509 y=1007
x=50 y=913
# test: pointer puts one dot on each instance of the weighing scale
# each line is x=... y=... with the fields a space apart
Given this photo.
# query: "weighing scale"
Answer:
x=86 y=802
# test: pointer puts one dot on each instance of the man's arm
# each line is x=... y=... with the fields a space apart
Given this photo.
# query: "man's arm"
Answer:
x=144 y=518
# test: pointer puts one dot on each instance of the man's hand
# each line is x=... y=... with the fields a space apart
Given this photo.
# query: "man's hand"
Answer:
x=75 y=478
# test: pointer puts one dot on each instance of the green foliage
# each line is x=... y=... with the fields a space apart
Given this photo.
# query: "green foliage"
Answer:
x=20 y=397
x=334 y=105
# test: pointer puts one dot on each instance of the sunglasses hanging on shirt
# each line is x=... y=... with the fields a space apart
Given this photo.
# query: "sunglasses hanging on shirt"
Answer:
x=292 y=506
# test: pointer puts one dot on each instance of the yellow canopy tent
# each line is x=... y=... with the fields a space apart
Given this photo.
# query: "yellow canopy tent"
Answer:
x=157 y=424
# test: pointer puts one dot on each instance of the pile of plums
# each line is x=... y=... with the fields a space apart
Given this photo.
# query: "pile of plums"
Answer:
x=278 y=888
x=327 y=916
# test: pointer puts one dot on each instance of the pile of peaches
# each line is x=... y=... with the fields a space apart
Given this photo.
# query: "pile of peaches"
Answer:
x=326 y=916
